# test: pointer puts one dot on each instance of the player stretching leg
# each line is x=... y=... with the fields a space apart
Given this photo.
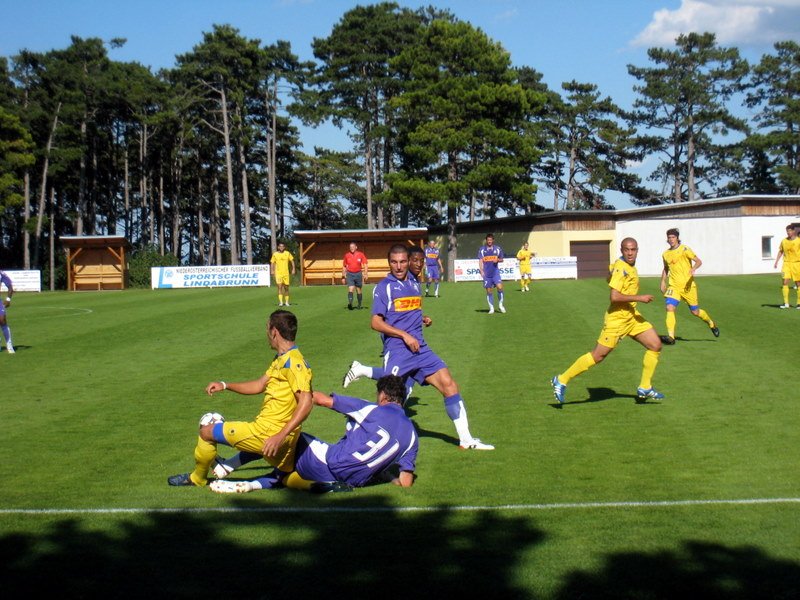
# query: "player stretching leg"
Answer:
x=622 y=319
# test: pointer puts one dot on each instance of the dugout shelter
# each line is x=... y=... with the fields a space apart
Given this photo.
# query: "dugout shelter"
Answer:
x=321 y=252
x=96 y=262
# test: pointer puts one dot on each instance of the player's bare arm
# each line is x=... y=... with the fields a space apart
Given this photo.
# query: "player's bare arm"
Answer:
x=617 y=296
x=247 y=388
x=696 y=264
x=378 y=324
x=405 y=479
x=778 y=258
x=304 y=405
x=321 y=399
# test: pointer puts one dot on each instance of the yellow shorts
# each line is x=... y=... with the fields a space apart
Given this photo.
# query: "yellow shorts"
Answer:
x=524 y=271
x=250 y=438
x=688 y=294
x=615 y=328
x=281 y=279
x=791 y=271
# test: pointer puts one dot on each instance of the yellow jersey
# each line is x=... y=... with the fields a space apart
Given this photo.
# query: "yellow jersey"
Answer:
x=791 y=249
x=289 y=373
x=625 y=279
x=524 y=258
x=679 y=263
x=281 y=262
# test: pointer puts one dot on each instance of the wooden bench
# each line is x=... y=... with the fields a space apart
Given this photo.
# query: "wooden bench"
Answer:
x=322 y=271
x=97 y=277
x=329 y=271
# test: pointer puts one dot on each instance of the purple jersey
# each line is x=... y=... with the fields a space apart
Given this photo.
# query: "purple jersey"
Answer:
x=490 y=257
x=431 y=257
x=5 y=280
x=377 y=437
x=400 y=304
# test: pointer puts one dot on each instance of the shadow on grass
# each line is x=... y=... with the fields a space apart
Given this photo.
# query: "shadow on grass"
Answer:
x=695 y=570
x=601 y=394
x=692 y=340
x=353 y=554
x=346 y=554
x=438 y=435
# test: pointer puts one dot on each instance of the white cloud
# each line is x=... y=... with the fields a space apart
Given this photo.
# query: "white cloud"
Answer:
x=508 y=15
x=735 y=22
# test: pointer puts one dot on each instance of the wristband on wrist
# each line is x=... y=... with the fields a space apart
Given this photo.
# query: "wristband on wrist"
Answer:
x=224 y=385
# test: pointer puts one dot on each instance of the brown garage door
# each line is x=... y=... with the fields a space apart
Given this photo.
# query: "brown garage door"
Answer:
x=592 y=258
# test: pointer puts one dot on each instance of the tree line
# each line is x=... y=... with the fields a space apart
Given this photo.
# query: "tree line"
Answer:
x=203 y=162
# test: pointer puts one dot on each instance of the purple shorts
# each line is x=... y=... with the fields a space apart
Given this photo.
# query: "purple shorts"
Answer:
x=416 y=366
x=492 y=281
x=433 y=273
x=311 y=463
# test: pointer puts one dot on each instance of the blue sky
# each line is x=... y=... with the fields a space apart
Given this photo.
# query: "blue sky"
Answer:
x=590 y=41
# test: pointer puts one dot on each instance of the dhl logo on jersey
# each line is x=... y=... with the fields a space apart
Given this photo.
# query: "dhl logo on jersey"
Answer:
x=432 y=255
x=408 y=303
x=490 y=258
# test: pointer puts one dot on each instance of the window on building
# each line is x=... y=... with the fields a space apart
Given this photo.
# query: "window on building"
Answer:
x=766 y=246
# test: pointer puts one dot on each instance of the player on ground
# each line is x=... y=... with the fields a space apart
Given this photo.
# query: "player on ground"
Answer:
x=6 y=281
x=524 y=257
x=286 y=386
x=280 y=261
x=677 y=283
x=377 y=437
x=433 y=268
x=354 y=273
x=790 y=251
x=622 y=319
x=489 y=259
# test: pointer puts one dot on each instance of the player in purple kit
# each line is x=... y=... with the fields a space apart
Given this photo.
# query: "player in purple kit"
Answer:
x=397 y=316
x=6 y=281
x=378 y=437
x=489 y=259
x=433 y=268
x=416 y=260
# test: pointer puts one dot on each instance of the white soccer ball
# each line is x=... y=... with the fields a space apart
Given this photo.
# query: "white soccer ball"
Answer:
x=209 y=418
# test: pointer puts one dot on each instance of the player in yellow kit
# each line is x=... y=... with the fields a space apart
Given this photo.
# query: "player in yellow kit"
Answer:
x=286 y=386
x=280 y=261
x=524 y=257
x=677 y=283
x=790 y=251
x=622 y=319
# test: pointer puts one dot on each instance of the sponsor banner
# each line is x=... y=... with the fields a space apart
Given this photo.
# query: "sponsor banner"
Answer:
x=467 y=270
x=24 y=281
x=195 y=277
x=550 y=267
x=554 y=267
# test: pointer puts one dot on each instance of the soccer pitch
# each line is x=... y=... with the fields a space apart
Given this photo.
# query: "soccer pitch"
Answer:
x=603 y=497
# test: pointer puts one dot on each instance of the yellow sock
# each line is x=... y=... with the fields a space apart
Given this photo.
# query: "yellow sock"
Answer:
x=286 y=298
x=294 y=481
x=204 y=453
x=705 y=316
x=649 y=364
x=671 y=322
x=280 y=298
x=584 y=363
x=785 y=290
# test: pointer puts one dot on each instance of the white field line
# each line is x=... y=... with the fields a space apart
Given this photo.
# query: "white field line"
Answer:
x=74 y=311
x=396 y=509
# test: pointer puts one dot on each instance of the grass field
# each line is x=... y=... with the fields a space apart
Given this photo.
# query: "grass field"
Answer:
x=602 y=497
